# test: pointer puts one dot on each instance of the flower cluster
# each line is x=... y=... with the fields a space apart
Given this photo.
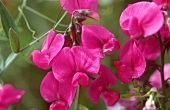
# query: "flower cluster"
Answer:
x=75 y=58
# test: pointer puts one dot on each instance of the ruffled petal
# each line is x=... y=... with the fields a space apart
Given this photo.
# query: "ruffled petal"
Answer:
x=59 y=105
x=85 y=61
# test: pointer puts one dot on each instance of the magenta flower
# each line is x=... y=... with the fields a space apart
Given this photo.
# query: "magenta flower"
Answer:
x=60 y=94
x=75 y=64
x=99 y=40
x=155 y=79
x=163 y=3
x=9 y=95
x=135 y=19
x=51 y=46
x=85 y=7
x=165 y=31
x=150 y=48
x=132 y=63
x=99 y=87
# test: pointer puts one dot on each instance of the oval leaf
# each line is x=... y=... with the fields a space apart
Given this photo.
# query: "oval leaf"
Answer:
x=6 y=19
x=14 y=41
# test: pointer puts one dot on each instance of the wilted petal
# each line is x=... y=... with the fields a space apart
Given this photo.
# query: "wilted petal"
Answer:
x=100 y=84
x=9 y=95
x=71 y=5
x=110 y=97
x=85 y=61
x=100 y=40
x=137 y=15
x=59 y=105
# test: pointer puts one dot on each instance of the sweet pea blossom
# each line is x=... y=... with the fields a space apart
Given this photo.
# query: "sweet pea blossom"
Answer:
x=150 y=48
x=84 y=7
x=99 y=87
x=141 y=18
x=163 y=3
x=51 y=46
x=99 y=40
x=132 y=63
x=75 y=64
x=60 y=94
x=9 y=95
x=155 y=79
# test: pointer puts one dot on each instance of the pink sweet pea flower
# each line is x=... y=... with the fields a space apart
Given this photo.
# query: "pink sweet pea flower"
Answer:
x=165 y=31
x=60 y=94
x=51 y=46
x=155 y=78
x=141 y=18
x=75 y=64
x=150 y=48
x=132 y=63
x=84 y=7
x=9 y=95
x=99 y=87
x=163 y=3
x=99 y=40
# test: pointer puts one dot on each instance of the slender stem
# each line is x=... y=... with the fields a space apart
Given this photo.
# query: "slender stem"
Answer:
x=62 y=17
x=77 y=98
x=162 y=68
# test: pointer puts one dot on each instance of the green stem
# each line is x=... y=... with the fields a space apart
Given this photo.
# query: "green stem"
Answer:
x=162 y=69
x=77 y=98
x=62 y=17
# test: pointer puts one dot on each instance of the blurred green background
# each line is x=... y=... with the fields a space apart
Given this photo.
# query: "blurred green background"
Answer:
x=23 y=74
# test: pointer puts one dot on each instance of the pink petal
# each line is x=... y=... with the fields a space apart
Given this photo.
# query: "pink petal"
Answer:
x=99 y=36
x=59 y=105
x=85 y=61
x=150 y=48
x=64 y=66
x=94 y=15
x=81 y=78
x=110 y=97
x=71 y=5
x=41 y=60
x=149 y=23
x=155 y=78
x=52 y=90
x=105 y=79
x=49 y=87
x=124 y=72
x=9 y=95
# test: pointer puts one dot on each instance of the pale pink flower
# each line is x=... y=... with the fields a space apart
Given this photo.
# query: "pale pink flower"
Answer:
x=60 y=94
x=141 y=18
x=132 y=63
x=51 y=46
x=99 y=40
x=9 y=95
x=99 y=87
x=75 y=64
x=150 y=48
x=155 y=78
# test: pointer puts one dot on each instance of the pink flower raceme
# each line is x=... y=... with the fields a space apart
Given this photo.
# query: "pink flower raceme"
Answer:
x=155 y=78
x=51 y=46
x=99 y=87
x=141 y=18
x=132 y=63
x=9 y=95
x=60 y=94
x=150 y=48
x=99 y=40
x=75 y=64
x=85 y=7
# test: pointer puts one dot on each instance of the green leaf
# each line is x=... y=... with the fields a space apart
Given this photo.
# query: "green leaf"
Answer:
x=6 y=19
x=14 y=41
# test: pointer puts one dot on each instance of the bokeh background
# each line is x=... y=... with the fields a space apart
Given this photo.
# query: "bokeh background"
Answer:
x=23 y=74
